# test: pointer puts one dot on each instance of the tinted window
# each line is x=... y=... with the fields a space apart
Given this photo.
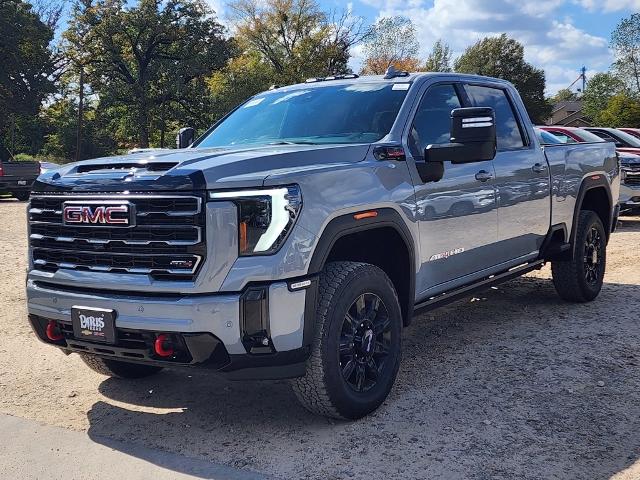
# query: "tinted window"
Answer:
x=562 y=137
x=352 y=113
x=606 y=137
x=507 y=128
x=432 y=123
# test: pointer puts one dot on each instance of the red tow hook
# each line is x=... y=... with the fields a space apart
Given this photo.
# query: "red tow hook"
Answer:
x=162 y=345
x=53 y=331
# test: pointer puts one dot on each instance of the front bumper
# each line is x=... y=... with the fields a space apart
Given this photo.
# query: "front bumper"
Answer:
x=629 y=196
x=218 y=331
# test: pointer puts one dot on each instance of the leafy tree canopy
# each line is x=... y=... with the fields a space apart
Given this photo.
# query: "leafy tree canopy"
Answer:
x=150 y=57
x=503 y=57
x=621 y=111
x=295 y=38
x=439 y=60
x=600 y=89
x=25 y=67
x=625 y=41
x=391 y=41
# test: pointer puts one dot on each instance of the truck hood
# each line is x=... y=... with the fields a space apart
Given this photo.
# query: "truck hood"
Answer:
x=193 y=169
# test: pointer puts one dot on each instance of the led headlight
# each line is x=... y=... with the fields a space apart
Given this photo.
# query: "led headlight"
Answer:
x=265 y=216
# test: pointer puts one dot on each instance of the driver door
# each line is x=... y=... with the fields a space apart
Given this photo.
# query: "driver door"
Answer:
x=457 y=216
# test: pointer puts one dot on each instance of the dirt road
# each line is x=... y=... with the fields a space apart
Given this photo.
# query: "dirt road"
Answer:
x=511 y=384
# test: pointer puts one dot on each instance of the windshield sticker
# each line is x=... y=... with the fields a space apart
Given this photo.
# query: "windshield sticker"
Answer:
x=253 y=103
x=401 y=86
x=444 y=255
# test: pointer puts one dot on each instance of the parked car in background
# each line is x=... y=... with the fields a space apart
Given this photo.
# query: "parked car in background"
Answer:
x=572 y=134
x=547 y=138
x=630 y=182
x=16 y=178
x=631 y=131
x=624 y=142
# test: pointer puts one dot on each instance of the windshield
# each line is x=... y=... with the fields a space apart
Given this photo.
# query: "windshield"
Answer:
x=587 y=136
x=354 y=113
x=628 y=139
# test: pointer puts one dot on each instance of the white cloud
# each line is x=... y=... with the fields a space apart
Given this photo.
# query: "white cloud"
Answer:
x=559 y=47
x=609 y=5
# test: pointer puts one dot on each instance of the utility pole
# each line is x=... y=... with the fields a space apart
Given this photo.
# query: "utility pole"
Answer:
x=584 y=78
x=80 y=114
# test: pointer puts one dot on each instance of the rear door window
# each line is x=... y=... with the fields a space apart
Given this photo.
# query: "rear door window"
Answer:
x=508 y=130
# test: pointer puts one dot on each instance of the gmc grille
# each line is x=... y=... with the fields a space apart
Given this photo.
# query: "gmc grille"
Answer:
x=166 y=242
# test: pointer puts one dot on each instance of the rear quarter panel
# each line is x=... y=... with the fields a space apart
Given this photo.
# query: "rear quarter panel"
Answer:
x=570 y=165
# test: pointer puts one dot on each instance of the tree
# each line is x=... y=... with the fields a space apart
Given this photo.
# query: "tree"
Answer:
x=391 y=41
x=25 y=67
x=625 y=41
x=600 y=89
x=563 y=95
x=503 y=57
x=621 y=111
x=243 y=77
x=295 y=38
x=439 y=60
x=148 y=58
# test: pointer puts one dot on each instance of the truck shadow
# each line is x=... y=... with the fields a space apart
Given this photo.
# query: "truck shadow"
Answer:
x=513 y=383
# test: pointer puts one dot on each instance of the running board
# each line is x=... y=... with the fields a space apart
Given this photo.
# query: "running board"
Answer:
x=456 y=294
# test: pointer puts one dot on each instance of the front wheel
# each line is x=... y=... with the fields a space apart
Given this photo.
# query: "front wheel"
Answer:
x=580 y=279
x=355 y=354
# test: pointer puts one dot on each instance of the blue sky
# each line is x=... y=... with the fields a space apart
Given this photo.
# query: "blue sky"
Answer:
x=559 y=35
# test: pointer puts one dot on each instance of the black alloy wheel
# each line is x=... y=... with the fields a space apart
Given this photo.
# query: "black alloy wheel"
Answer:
x=365 y=340
x=593 y=246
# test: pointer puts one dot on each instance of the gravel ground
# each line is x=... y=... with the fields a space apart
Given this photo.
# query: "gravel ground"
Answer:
x=513 y=383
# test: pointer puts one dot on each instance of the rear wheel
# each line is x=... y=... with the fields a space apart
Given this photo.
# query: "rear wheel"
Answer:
x=355 y=353
x=580 y=279
x=116 y=368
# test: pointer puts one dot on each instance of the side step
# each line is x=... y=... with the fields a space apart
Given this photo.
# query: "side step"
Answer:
x=453 y=295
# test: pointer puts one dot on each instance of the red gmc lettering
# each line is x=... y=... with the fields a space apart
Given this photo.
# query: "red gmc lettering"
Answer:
x=101 y=214
x=119 y=209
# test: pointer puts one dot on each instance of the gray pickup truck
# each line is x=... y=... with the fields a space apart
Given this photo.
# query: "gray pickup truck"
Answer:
x=299 y=234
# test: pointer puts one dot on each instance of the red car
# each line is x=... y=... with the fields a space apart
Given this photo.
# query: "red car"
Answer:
x=624 y=141
x=631 y=131
x=572 y=134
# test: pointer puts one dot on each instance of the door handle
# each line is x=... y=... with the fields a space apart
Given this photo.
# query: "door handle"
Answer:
x=483 y=176
x=539 y=168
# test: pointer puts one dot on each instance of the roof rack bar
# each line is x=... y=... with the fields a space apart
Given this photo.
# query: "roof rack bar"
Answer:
x=331 y=77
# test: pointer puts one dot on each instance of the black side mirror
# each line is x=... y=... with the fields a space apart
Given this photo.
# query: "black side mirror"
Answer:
x=185 y=137
x=473 y=137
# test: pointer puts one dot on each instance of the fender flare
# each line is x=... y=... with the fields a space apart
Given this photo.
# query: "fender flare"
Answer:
x=344 y=225
x=591 y=182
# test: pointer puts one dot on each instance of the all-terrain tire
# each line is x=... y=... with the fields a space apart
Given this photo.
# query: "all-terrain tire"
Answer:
x=116 y=368
x=326 y=389
x=575 y=280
